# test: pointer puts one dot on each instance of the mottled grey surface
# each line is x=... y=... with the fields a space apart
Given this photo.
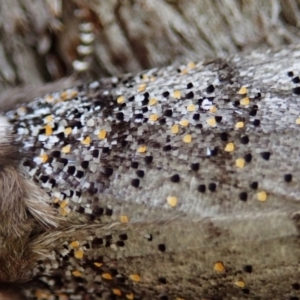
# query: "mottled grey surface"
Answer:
x=176 y=183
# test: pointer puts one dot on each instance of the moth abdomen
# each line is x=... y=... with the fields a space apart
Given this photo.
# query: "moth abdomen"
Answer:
x=23 y=206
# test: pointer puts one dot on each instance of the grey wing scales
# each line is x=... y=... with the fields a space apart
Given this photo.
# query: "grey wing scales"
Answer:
x=176 y=183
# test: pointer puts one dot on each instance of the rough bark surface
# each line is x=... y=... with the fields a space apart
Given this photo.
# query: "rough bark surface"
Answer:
x=39 y=38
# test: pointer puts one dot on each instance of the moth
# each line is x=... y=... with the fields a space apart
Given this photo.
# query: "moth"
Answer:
x=174 y=183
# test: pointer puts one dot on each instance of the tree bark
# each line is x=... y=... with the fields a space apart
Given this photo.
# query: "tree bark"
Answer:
x=39 y=38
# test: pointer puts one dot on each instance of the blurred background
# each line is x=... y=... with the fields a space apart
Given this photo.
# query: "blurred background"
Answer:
x=39 y=40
